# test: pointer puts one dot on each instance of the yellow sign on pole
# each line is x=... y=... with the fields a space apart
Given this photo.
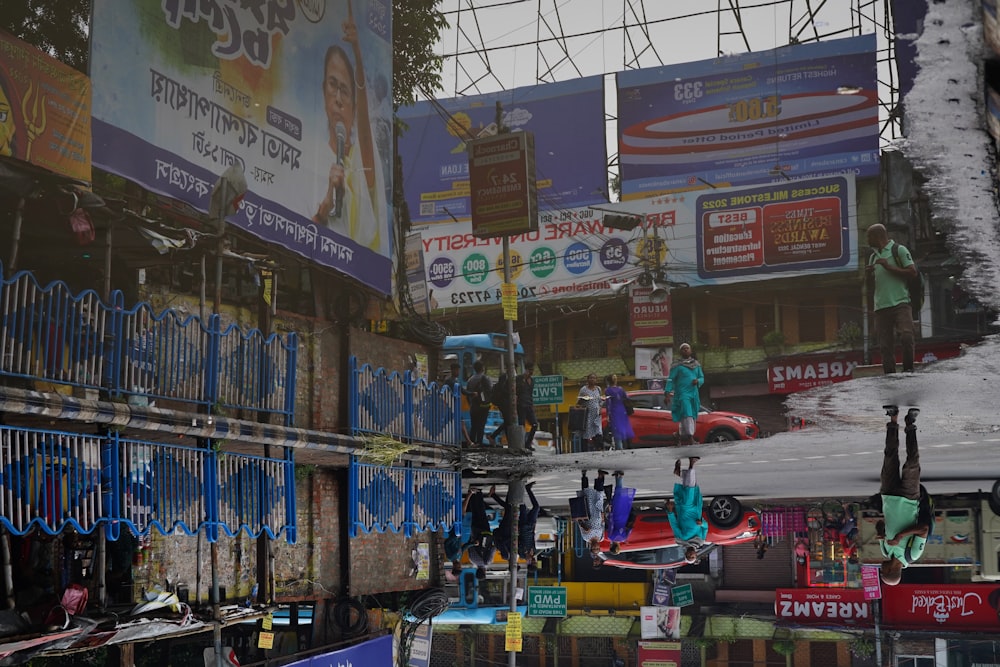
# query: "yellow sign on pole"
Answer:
x=513 y=639
x=265 y=640
x=267 y=622
x=508 y=297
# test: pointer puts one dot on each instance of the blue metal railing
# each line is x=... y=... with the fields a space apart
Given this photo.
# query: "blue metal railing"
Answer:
x=403 y=500
x=394 y=404
x=51 y=480
x=49 y=334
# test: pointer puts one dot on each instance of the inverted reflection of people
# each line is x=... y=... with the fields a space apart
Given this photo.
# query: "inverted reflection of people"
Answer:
x=685 y=511
x=621 y=516
x=527 y=520
x=8 y=126
x=480 y=543
x=902 y=536
x=354 y=203
x=592 y=525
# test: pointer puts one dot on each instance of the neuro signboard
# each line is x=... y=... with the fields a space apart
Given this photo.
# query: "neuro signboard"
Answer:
x=757 y=117
x=297 y=94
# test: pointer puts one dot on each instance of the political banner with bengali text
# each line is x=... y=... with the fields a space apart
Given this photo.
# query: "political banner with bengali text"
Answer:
x=567 y=119
x=44 y=110
x=297 y=94
x=759 y=117
x=718 y=237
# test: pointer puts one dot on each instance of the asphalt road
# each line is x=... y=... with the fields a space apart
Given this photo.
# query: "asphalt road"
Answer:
x=802 y=465
x=838 y=457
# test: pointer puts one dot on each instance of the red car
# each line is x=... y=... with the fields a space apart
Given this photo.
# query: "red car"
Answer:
x=651 y=543
x=654 y=426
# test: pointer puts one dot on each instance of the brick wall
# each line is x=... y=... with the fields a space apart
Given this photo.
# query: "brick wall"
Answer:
x=382 y=562
x=308 y=569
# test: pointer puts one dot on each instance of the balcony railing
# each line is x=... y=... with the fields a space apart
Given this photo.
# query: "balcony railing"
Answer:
x=403 y=500
x=49 y=334
x=51 y=480
x=397 y=405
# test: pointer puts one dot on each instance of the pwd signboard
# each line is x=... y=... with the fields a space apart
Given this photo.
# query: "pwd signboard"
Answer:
x=548 y=390
x=682 y=595
x=547 y=601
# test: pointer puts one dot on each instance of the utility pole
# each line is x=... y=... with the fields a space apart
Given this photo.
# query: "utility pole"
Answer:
x=515 y=432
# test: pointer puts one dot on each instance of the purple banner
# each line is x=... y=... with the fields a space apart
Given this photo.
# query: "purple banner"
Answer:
x=753 y=118
x=567 y=119
x=164 y=173
x=370 y=653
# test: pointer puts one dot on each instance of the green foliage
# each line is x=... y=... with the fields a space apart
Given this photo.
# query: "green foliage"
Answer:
x=849 y=334
x=774 y=338
x=61 y=28
x=416 y=67
x=784 y=646
x=862 y=647
x=57 y=27
x=382 y=450
x=304 y=470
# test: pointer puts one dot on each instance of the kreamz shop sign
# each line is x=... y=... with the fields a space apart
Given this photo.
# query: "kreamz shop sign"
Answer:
x=785 y=376
x=823 y=607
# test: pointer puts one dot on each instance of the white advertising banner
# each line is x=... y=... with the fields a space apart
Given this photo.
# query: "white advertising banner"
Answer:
x=788 y=229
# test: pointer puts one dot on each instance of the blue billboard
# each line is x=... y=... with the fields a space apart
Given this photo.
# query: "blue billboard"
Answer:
x=753 y=118
x=566 y=118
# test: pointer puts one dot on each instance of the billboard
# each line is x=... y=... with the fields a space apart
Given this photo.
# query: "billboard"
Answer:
x=502 y=184
x=44 y=110
x=722 y=236
x=570 y=171
x=298 y=94
x=955 y=608
x=751 y=118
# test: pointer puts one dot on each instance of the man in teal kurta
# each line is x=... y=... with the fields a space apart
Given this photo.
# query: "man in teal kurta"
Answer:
x=685 y=511
x=902 y=535
x=686 y=377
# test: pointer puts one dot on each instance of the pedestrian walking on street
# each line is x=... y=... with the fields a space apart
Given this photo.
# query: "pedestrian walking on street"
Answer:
x=501 y=399
x=478 y=391
x=616 y=401
x=902 y=534
x=891 y=265
x=527 y=519
x=686 y=378
x=526 y=403
x=685 y=511
x=590 y=398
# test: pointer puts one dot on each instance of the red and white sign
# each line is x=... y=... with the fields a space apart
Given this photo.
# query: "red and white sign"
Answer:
x=871 y=583
x=786 y=376
x=659 y=654
x=831 y=606
x=955 y=607
x=651 y=322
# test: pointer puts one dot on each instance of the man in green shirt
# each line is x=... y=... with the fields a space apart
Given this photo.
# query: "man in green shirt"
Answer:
x=901 y=535
x=893 y=313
